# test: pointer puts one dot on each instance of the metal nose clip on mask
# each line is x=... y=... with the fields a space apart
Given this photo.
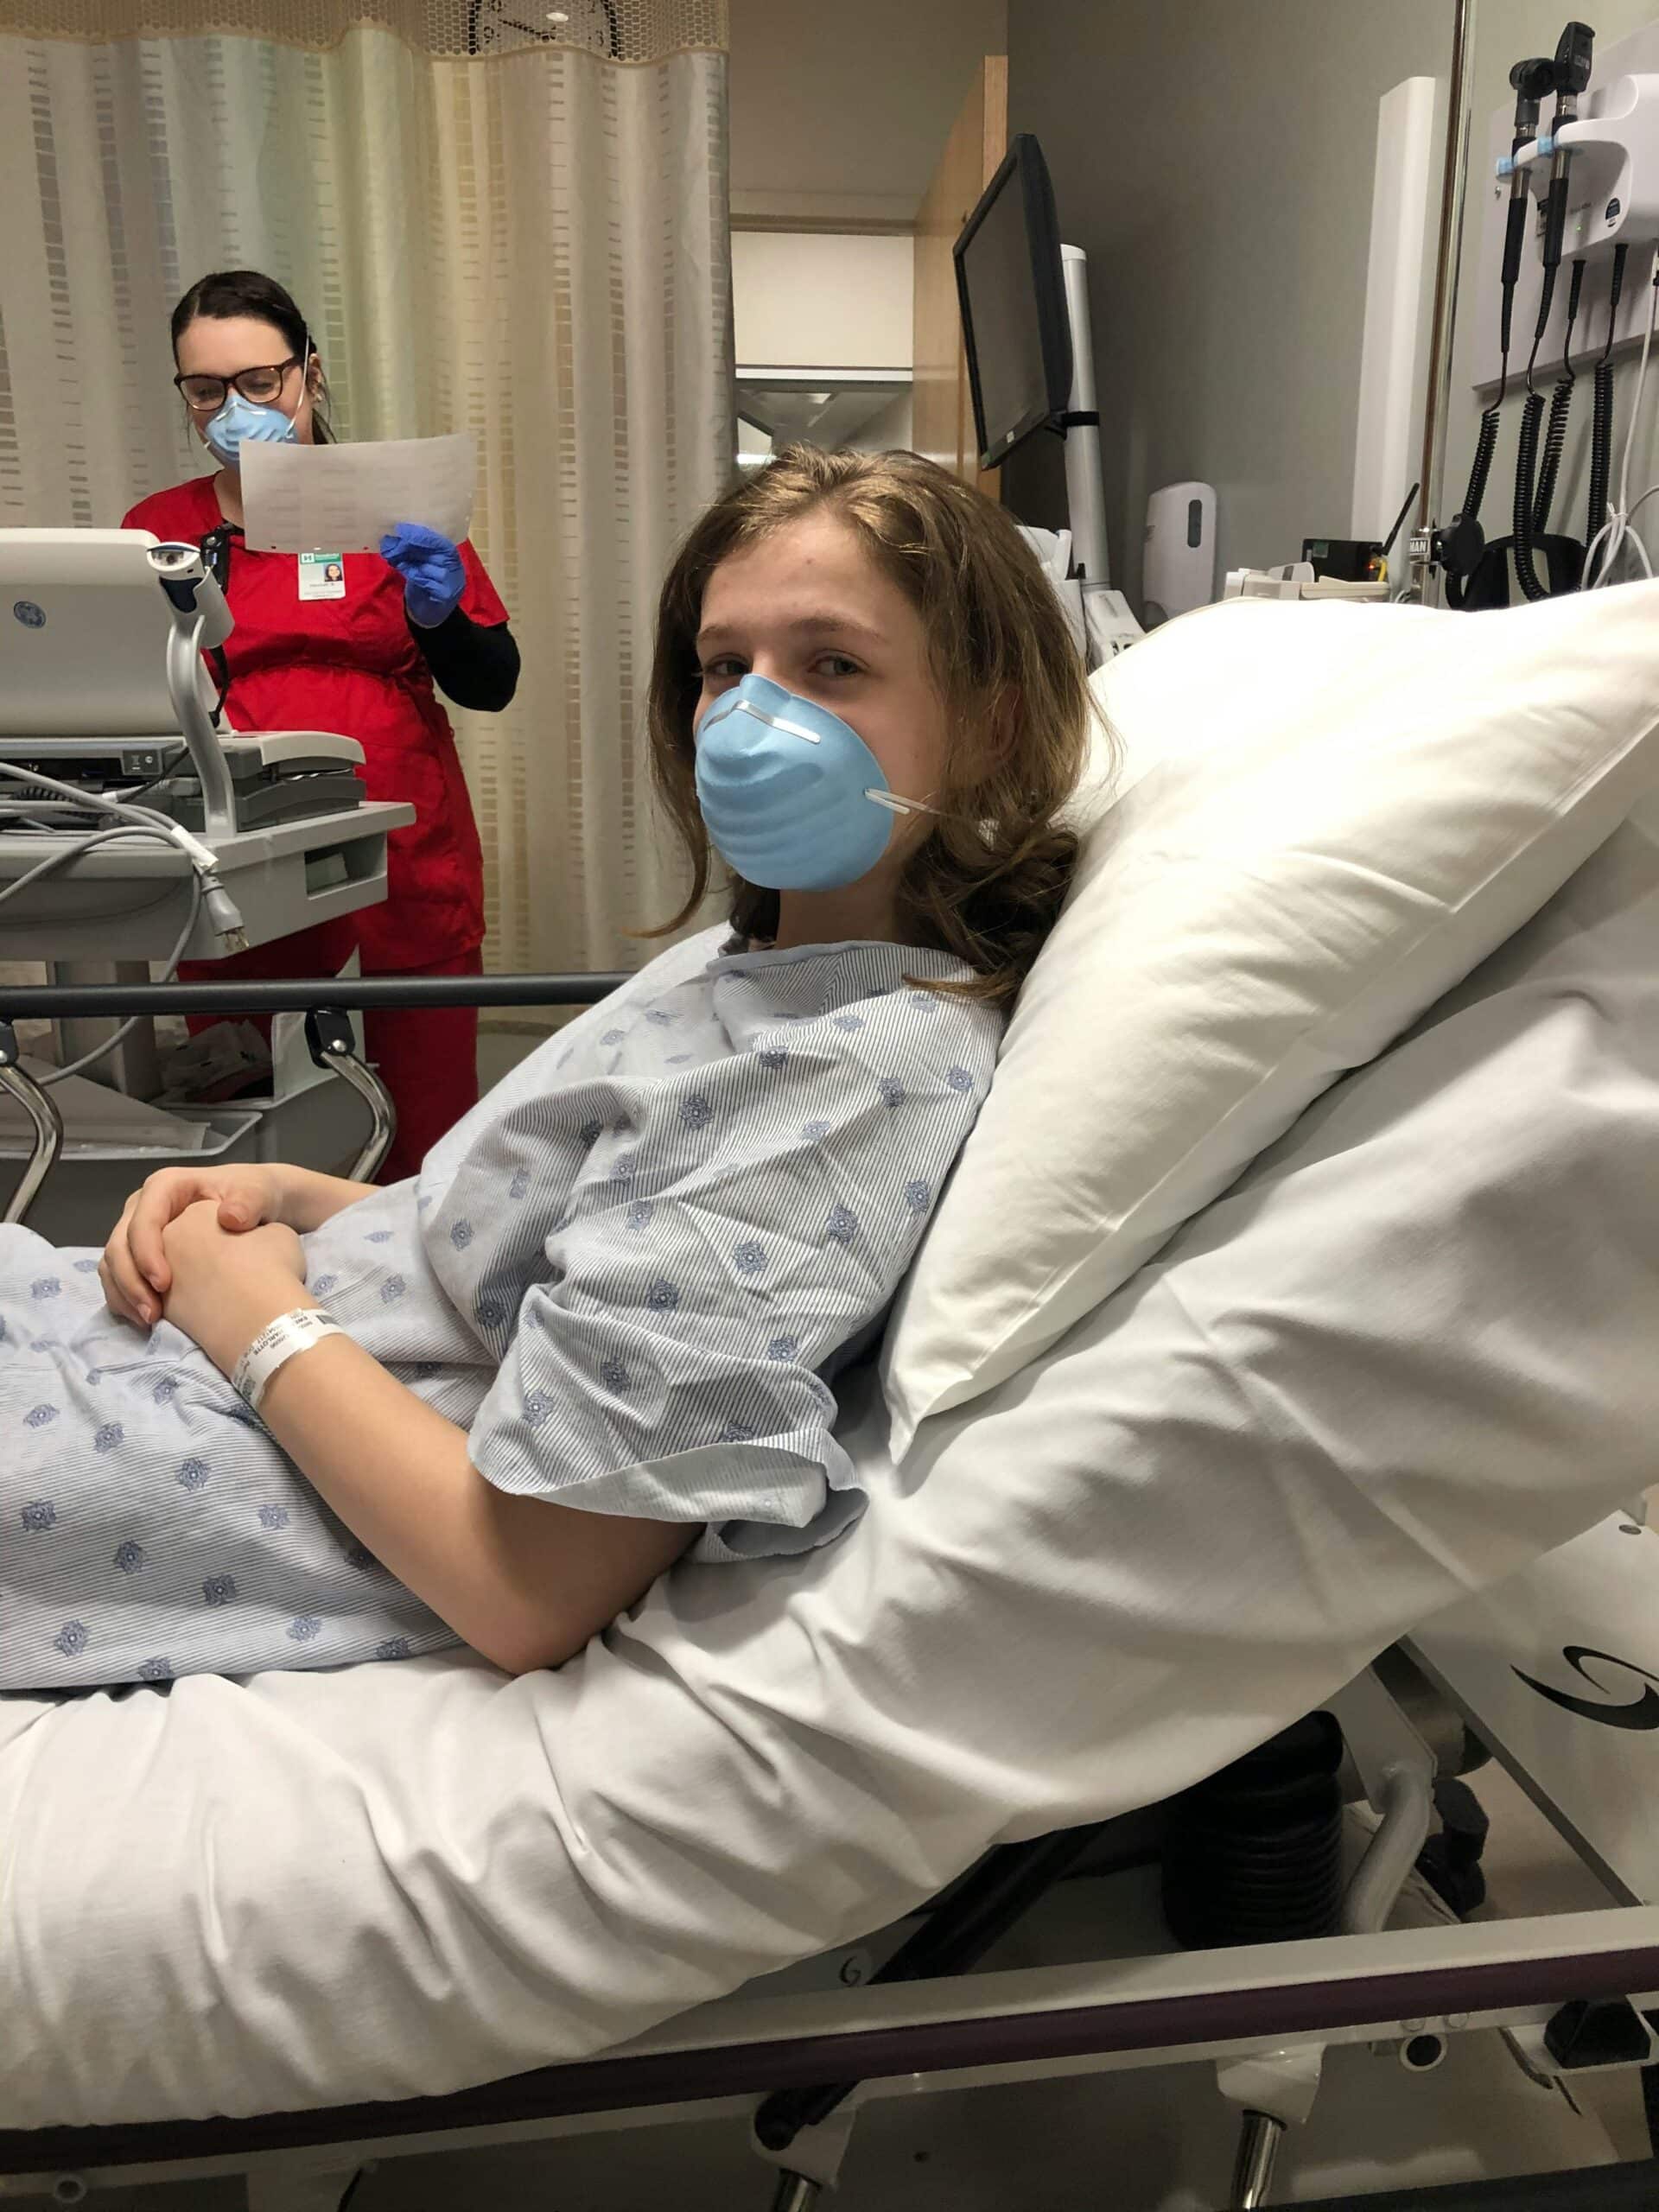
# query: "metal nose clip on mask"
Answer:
x=791 y=794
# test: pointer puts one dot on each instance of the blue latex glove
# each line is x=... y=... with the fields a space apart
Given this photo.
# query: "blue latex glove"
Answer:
x=434 y=577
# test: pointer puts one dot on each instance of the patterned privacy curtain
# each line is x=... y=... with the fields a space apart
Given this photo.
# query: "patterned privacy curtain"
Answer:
x=500 y=215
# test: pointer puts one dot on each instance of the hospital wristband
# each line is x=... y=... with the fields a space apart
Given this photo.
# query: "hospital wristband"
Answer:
x=275 y=1344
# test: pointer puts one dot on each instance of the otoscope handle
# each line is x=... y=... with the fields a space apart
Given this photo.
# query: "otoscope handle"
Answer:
x=1514 y=238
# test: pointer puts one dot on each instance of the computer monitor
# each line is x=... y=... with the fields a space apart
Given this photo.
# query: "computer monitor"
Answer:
x=1012 y=296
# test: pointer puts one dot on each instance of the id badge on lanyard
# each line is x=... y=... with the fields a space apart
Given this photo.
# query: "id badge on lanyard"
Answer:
x=322 y=576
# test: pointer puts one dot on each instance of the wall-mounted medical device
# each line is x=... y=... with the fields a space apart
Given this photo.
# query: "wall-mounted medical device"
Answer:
x=1572 y=196
x=1576 y=183
x=1607 y=165
x=1580 y=189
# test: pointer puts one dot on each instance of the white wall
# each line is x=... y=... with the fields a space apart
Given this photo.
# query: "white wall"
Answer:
x=816 y=300
x=840 y=108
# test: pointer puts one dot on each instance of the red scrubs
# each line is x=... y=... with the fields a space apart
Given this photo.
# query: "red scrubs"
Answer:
x=350 y=664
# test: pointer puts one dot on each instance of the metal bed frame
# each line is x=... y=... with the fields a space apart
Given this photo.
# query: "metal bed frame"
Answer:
x=957 y=2033
x=326 y=1002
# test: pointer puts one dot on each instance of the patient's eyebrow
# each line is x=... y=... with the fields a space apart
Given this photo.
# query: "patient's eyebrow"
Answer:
x=803 y=626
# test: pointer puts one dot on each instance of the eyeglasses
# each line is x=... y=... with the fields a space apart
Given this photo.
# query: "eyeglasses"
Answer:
x=259 y=387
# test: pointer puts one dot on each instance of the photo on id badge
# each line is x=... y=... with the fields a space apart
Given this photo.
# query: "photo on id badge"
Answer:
x=322 y=576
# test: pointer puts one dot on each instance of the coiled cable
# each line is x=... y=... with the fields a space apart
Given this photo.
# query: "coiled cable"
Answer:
x=1526 y=455
x=1485 y=445
x=1480 y=468
x=1601 y=419
x=1561 y=408
x=1616 y=535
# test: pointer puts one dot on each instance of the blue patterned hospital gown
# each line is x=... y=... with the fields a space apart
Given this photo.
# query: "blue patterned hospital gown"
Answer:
x=631 y=1273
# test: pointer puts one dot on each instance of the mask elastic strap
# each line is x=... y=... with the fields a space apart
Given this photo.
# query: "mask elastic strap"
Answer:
x=894 y=805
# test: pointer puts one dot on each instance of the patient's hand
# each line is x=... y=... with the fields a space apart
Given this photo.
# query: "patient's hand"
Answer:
x=134 y=1270
x=226 y=1286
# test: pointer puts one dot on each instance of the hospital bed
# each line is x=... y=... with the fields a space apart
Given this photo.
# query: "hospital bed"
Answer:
x=1383 y=1392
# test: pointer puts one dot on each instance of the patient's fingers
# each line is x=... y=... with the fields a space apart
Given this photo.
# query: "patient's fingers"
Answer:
x=152 y=1206
x=243 y=1199
x=134 y=1268
x=119 y=1272
x=116 y=1299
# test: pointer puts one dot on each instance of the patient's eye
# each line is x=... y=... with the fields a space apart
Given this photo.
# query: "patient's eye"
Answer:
x=723 y=667
x=841 y=665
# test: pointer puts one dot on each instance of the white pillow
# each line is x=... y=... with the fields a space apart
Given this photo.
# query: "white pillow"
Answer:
x=1348 y=807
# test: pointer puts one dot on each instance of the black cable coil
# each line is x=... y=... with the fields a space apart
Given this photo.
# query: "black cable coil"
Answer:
x=1601 y=452
x=1526 y=455
x=1526 y=463
x=1560 y=401
x=1254 y=1855
x=1601 y=416
x=1560 y=407
x=1481 y=468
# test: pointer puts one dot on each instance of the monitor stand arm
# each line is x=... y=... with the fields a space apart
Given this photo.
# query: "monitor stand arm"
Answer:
x=201 y=620
x=1108 y=623
x=1085 y=494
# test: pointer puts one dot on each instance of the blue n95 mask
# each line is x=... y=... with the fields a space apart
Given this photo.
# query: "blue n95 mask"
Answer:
x=240 y=420
x=791 y=795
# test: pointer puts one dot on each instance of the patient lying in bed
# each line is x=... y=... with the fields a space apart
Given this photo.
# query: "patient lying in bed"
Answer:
x=627 y=1274
x=599 y=1327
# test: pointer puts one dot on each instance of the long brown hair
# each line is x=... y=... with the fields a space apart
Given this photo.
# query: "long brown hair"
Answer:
x=987 y=884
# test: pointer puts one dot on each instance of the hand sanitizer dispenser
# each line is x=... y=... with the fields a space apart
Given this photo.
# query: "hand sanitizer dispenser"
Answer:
x=1179 y=572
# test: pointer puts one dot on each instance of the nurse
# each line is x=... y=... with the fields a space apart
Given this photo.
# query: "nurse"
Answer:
x=357 y=643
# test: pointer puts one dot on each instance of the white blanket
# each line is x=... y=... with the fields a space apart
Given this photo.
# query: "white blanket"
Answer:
x=1414 y=1348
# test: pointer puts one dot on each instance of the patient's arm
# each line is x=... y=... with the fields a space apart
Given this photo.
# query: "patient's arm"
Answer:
x=523 y=1580
x=308 y=1197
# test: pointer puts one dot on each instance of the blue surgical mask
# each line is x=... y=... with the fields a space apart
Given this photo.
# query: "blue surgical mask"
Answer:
x=240 y=420
x=791 y=795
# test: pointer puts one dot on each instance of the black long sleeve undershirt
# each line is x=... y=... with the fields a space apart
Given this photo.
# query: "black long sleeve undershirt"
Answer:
x=474 y=663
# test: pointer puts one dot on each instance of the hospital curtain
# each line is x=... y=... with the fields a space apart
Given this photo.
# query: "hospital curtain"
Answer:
x=502 y=215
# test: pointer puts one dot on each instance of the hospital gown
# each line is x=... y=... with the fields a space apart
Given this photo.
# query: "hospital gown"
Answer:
x=631 y=1273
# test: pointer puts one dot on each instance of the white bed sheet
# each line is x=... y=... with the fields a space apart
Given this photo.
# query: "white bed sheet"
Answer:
x=1413 y=1349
